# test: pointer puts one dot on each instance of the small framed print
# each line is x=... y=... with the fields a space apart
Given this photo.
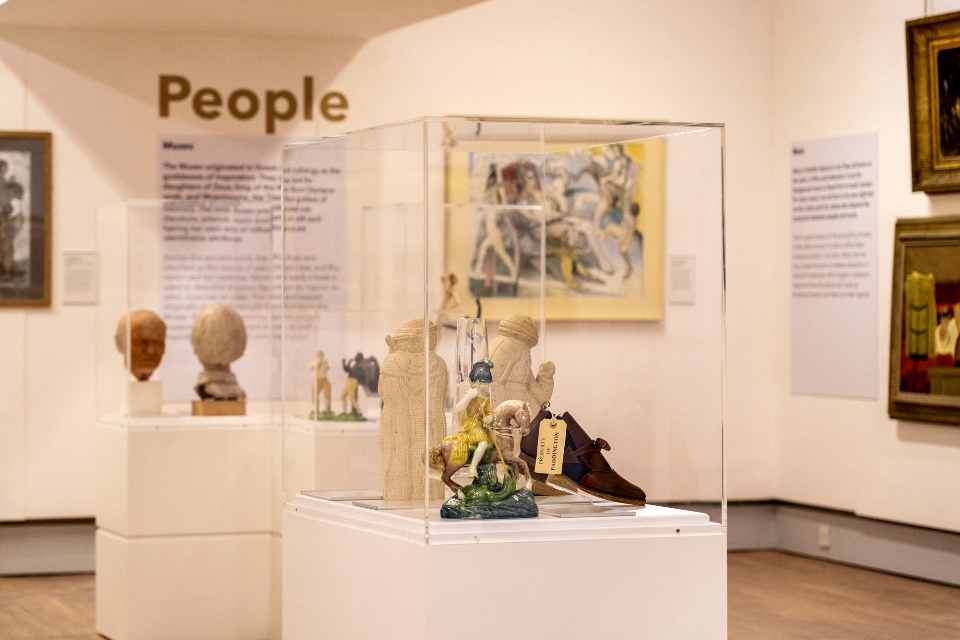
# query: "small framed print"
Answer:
x=26 y=228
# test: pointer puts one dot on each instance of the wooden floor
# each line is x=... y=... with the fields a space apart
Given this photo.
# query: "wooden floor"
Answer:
x=773 y=596
x=48 y=607
x=776 y=596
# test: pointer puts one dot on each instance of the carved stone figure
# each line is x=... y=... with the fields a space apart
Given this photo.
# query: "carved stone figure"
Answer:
x=402 y=390
x=148 y=335
x=219 y=338
x=512 y=369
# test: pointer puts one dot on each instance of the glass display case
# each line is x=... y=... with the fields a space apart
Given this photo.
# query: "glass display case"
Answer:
x=186 y=495
x=505 y=319
x=184 y=318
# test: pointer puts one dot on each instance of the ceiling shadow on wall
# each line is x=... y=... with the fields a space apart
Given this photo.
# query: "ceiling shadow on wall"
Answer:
x=928 y=433
x=101 y=88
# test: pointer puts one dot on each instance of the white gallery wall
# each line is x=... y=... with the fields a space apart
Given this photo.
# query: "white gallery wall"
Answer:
x=693 y=61
x=841 y=69
x=96 y=91
x=773 y=72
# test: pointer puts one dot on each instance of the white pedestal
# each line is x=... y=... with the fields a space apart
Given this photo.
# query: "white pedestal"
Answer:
x=184 y=544
x=144 y=398
x=183 y=475
x=350 y=572
x=207 y=587
x=331 y=455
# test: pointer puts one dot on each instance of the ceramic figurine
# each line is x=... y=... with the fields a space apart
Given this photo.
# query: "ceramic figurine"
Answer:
x=401 y=388
x=486 y=497
x=512 y=374
x=485 y=435
x=321 y=385
x=475 y=415
x=148 y=334
x=361 y=372
x=451 y=301
x=219 y=338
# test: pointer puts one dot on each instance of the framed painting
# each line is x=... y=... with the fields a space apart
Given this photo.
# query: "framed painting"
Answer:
x=586 y=222
x=933 y=70
x=925 y=321
x=25 y=218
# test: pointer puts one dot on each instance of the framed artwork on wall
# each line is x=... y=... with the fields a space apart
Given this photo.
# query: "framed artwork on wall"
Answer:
x=933 y=70
x=25 y=218
x=925 y=321
x=592 y=219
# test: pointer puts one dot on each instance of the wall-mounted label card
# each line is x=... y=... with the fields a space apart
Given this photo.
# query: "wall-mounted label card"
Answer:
x=682 y=279
x=81 y=277
x=834 y=317
x=553 y=437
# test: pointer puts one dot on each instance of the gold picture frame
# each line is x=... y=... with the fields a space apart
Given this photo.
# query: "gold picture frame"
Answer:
x=603 y=245
x=933 y=71
x=924 y=381
x=26 y=220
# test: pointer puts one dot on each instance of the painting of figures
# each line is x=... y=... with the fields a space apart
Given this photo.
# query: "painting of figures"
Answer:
x=589 y=220
x=25 y=220
x=925 y=320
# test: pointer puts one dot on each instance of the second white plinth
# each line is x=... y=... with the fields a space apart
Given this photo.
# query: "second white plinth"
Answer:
x=175 y=475
x=209 y=587
x=660 y=574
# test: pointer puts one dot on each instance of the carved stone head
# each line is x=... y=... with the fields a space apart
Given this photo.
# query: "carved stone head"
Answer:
x=148 y=340
x=219 y=336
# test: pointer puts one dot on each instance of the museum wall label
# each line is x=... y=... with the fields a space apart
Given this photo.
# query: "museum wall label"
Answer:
x=244 y=104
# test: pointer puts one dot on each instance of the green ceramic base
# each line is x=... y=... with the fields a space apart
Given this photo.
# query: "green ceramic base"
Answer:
x=487 y=498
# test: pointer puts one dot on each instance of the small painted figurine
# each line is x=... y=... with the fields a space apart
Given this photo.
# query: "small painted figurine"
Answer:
x=476 y=415
x=487 y=497
x=450 y=306
x=321 y=385
x=361 y=372
x=485 y=435
x=450 y=298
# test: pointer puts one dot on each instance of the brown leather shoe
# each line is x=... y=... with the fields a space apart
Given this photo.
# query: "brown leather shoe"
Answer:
x=583 y=463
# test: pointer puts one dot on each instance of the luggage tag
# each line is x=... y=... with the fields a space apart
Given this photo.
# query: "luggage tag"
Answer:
x=553 y=437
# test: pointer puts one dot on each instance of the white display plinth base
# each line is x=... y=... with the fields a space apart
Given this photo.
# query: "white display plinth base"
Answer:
x=210 y=587
x=184 y=540
x=332 y=455
x=350 y=572
x=144 y=398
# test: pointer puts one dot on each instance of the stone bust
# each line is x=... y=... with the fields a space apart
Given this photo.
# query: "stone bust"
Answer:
x=219 y=338
x=148 y=340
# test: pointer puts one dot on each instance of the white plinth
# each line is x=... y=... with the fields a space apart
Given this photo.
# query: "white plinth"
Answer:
x=331 y=455
x=210 y=587
x=183 y=475
x=357 y=573
x=144 y=398
x=185 y=547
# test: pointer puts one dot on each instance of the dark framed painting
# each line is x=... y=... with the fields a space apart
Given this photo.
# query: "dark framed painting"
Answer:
x=925 y=321
x=933 y=70
x=26 y=223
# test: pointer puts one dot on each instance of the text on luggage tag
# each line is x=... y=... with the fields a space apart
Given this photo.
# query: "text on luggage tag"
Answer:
x=553 y=437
